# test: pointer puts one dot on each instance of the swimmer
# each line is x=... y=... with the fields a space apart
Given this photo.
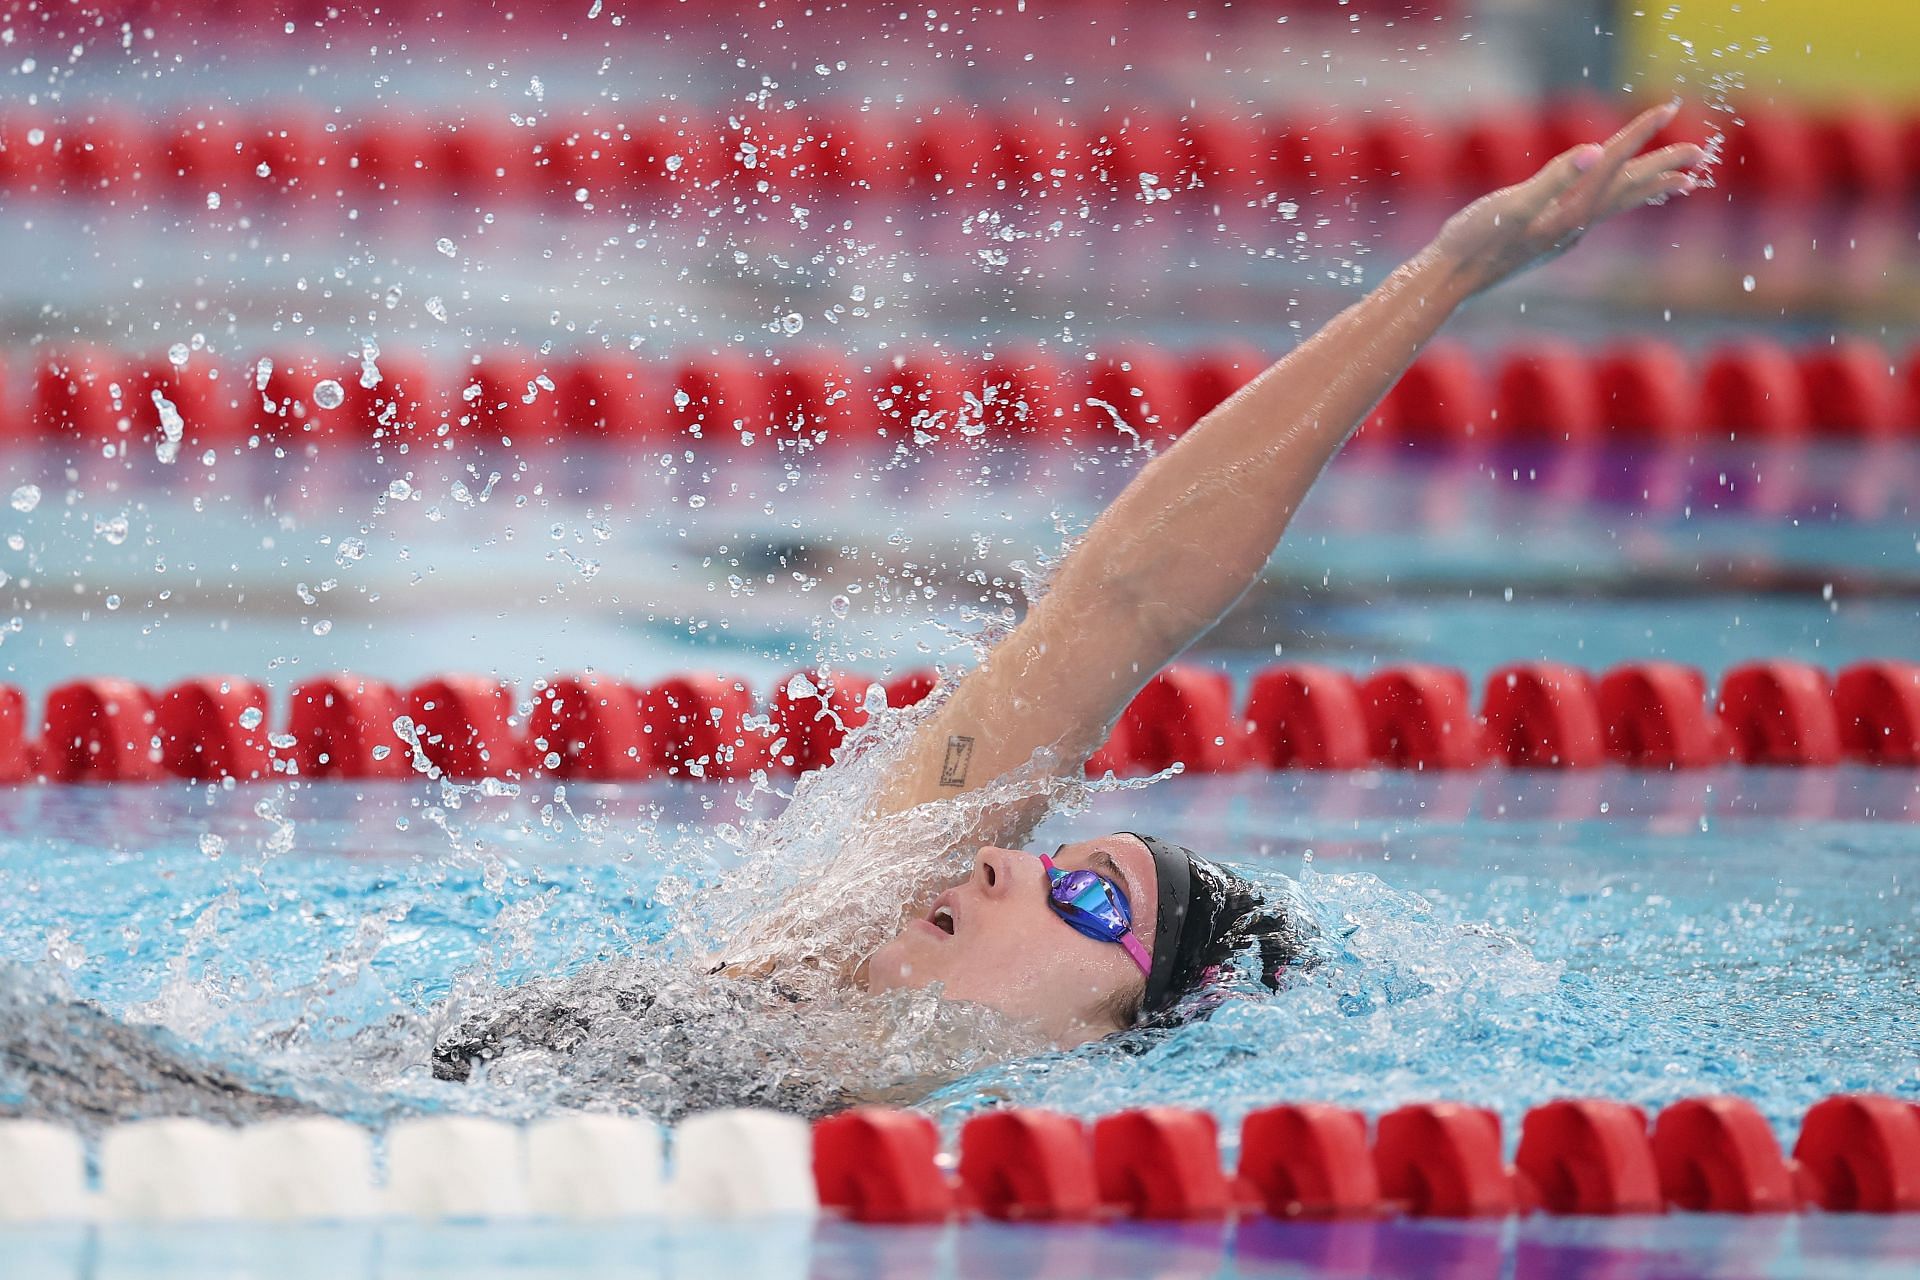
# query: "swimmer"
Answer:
x=1105 y=933
x=1090 y=939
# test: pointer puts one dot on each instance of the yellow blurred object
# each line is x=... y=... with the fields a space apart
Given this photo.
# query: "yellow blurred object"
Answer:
x=1795 y=50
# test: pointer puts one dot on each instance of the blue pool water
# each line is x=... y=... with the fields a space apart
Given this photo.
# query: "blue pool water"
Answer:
x=1498 y=938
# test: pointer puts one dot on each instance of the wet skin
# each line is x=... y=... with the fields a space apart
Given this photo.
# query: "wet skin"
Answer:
x=993 y=939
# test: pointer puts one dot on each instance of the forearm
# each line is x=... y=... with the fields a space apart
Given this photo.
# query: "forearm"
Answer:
x=1195 y=528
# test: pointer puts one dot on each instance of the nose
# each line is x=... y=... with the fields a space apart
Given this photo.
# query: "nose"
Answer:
x=997 y=871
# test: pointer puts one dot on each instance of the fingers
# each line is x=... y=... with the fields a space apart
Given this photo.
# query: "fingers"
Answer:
x=1680 y=155
x=1639 y=131
x=1653 y=188
x=1560 y=175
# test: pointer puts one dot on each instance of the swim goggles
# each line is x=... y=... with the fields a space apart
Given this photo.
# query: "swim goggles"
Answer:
x=1096 y=907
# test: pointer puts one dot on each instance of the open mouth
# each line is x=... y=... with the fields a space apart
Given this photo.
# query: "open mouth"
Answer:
x=942 y=919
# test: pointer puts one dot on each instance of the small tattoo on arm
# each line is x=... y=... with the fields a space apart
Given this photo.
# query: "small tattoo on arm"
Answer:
x=953 y=770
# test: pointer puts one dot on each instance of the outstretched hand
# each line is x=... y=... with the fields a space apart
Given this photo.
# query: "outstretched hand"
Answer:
x=1512 y=229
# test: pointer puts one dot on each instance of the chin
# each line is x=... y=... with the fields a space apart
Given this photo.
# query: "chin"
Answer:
x=891 y=968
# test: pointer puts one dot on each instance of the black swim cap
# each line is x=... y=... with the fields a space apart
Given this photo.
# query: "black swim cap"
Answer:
x=1204 y=914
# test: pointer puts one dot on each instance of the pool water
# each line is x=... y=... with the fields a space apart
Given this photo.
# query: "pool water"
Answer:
x=1496 y=937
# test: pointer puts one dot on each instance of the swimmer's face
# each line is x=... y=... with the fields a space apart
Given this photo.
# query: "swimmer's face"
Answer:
x=994 y=940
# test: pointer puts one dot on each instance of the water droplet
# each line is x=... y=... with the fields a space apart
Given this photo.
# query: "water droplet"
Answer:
x=322 y=627
x=329 y=394
x=36 y=136
x=445 y=246
x=26 y=497
x=178 y=354
x=351 y=549
x=263 y=170
x=791 y=322
x=839 y=605
x=252 y=717
x=213 y=199
x=399 y=490
x=113 y=602
x=173 y=428
x=437 y=309
x=674 y=163
x=681 y=399
x=1747 y=283
x=800 y=687
x=114 y=531
x=212 y=845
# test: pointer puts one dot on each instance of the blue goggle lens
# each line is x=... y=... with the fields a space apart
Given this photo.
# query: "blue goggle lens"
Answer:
x=1090 y=903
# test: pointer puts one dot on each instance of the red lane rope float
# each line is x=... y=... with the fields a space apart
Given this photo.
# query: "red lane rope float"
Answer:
x=706 y=725
x=1534 y=394
x=342 y=727
x=1443 y=1160
x=1418 y=717
x=1878 y=704
x=1591 y=1157
x=1028 y=1166
x=1861 y=1154
x=878 y=1165
x=589 y=727
x=16 y=746
x=1184 y=714
x=1656 y=717
x=1717 y=1155
x=1543 y=715
x=101 y=731
x=1777 y=154
x=465 y=725
x=1161 y=1163
x=1306 y=716
x=1856 y=1153
x=1309 y=1160
x=1780 y=713
x=212 y=729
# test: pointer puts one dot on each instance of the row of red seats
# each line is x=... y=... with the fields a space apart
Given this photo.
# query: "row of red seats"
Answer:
x=1651 y=715
x=1544 y=392
x=1772 y=152
x=1856 y=1153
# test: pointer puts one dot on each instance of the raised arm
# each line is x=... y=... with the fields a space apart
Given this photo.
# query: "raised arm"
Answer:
x=1194 y=529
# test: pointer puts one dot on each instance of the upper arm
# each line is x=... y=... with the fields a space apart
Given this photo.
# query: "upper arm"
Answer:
x=1057 y=681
